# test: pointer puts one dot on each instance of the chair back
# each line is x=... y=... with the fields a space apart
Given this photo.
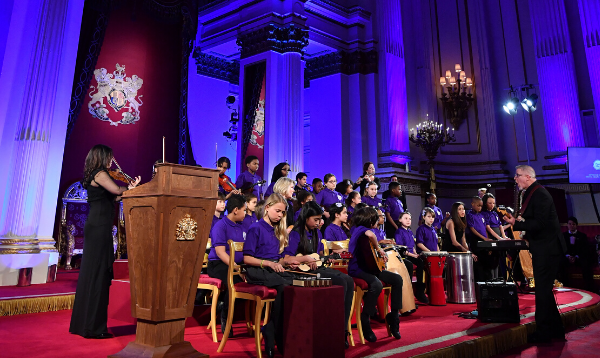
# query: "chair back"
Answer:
x=208 y=246
x=334 y=245
x=234 y=269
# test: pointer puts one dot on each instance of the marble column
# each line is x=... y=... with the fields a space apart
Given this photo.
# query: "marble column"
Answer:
x=28 y=160
x=281 y=46
x=393 y=116
x=589 y=13
x=556 y=75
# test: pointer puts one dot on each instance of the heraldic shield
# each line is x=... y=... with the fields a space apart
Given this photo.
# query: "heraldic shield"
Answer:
x=120 y=92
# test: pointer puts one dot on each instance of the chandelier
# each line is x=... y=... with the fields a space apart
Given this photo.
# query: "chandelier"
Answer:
x=455 y=99
x=431 y=137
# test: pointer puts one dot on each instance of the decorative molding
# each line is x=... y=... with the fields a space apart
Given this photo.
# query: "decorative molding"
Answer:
x=554 y=167
x=347 y=17
x=557 y=156
x=347 y=63
x=575 y=188
x=273 y=38
x=494 y=162
x=473 y=173
x=215 y=67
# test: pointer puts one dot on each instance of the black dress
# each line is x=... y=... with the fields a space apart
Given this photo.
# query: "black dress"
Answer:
x=447 y=241
x=90 y=310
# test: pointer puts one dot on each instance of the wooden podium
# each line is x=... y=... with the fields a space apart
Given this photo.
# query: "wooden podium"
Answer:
x=167 y=221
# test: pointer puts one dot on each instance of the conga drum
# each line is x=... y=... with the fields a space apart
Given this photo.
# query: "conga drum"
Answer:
x=434 y=266
x=396 y=265
x=460 y=280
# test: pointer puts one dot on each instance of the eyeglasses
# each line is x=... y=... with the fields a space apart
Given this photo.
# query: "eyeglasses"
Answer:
x=332 y=181
x=519 y=175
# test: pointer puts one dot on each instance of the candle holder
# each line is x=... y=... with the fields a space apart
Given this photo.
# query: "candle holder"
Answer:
x=431 y=137
x=455 y=99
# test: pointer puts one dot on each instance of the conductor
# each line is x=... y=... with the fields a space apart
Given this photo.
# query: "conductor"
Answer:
x=539 y=220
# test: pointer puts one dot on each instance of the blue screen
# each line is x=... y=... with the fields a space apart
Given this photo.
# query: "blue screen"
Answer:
x=584 y=165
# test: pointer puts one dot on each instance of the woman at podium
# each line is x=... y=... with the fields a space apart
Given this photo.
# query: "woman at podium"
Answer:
x=90 y=310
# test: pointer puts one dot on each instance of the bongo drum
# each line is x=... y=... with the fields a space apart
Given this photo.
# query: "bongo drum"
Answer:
x=434 y=265
x=460 y=281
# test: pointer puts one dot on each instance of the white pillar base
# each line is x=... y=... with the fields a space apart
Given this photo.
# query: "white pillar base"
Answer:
x=11 y=263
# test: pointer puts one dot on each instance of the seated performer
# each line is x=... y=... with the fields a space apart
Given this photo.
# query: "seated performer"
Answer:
x=365 y=220
x=249 y=178
x=229 y=228
x=351 y=202
x=337 y=230
x=281 y=170
x=486 y=262
x=405 y=237
x=379 y=231
x=263 y=248
x=317 y=185
x=328 y=195
x=302 y=197
x=250 y=217
x=305 y=239
x=394 y=209
x=219 y=210
x=578 y=254
x=427 y=239
x=223 y=164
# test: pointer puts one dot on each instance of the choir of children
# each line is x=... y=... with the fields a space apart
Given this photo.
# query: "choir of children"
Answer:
x=276 y=239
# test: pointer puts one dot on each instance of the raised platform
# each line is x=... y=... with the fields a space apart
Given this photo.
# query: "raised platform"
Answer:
x=431 y=331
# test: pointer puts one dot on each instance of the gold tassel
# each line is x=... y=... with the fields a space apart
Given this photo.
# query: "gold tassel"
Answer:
x=36 y=305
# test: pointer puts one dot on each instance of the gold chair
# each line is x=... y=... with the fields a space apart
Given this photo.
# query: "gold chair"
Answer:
x=206 y=282
x=260 y=295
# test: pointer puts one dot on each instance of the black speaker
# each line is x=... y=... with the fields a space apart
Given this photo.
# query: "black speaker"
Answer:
x=497 y=302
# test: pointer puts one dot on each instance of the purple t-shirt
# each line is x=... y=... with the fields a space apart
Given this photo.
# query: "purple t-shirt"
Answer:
x=437 y=223
x=326 y=197
x=261 y=242
x=476 y=221
x=394 y=207
x=350 y=210
x=223 y=231
x=292 y=248
x=246 y=179
x=380 y=234
x=405 y=237
x=334 y=232
x=214 y=222
x=427 y=236
x=248 y=221
x=491 y=218
x=269 y=190
x=357 y=233
x=375 y=202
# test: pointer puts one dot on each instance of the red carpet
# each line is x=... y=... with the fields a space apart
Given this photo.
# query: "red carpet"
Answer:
x=46 y=334
x=66 y=283
x=580 y=343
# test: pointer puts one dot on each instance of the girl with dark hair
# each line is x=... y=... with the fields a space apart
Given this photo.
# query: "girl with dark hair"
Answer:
x=492 y=218
x=250 y=218
x=345 y=188
x=439 y=220
x=302 y=197
x=305 y=239
x=365 y=220
x=223 y=164
x=405 y=237
x=90 y=310
x=454 y=239
x=351 y=202
x=337 y=230
x=281 y=170
x=367 y=177
x=328 y=195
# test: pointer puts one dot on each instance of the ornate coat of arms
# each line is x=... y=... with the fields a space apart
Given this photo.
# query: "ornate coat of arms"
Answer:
x=120 y=92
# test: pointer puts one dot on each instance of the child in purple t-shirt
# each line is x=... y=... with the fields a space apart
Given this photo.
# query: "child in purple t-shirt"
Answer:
x=476 y=231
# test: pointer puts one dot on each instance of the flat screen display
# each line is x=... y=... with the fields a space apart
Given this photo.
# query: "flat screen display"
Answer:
x=584 y=165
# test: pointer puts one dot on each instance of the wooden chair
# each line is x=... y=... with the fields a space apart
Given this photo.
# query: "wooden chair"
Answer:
x=206 y=282
x=260 y=295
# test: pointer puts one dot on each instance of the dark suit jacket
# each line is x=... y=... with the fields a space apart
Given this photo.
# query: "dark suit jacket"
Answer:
x=581 y=247
x=541 y=225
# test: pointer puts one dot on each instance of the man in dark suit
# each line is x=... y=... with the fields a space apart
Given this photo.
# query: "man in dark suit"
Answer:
x=578 y=254
x=542 y=229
